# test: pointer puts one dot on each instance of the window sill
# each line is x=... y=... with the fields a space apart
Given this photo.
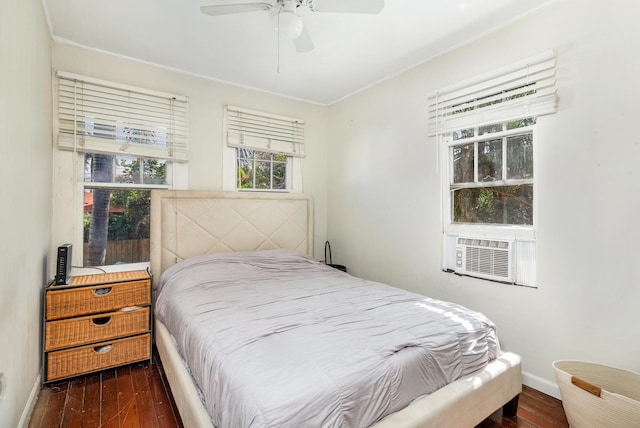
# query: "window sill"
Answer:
x=88 y=270
x=491 y=231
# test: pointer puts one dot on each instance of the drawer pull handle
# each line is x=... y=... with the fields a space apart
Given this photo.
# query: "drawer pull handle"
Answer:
x=101 y=321
x=102 y=291
x=102 y=349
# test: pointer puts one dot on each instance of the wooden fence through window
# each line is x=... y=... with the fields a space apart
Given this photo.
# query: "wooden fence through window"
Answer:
x=124 y=251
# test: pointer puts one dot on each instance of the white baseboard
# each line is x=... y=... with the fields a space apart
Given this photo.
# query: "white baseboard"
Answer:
x=31 y=403
x=542 y=385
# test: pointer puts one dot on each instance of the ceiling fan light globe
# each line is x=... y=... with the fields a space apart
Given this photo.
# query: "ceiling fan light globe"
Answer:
x=290 y=25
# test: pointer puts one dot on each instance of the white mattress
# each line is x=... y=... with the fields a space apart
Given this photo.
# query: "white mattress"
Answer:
x=275 y=338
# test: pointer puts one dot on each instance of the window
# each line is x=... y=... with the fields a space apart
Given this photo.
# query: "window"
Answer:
x=492 y=174
x=128 y=141
x=266 y=149
x=117 y=198
x=485 y=128
x=258 y=170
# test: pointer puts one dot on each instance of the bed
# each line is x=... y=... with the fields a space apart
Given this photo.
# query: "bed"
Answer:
x=189 y=227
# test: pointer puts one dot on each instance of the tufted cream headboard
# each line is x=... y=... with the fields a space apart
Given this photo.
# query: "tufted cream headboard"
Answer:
x=186 y=223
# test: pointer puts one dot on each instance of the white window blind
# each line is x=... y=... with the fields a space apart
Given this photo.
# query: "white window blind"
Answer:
x=104 y=117
x=524 y=89
x=265 y=132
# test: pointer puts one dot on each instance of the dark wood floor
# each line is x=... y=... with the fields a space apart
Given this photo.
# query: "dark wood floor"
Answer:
x=138 y=396
x=535 y=410
x=133 y=396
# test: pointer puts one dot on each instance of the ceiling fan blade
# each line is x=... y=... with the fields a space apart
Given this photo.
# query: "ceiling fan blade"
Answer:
x=348 y=6
x=226 y=9
x=303 y=43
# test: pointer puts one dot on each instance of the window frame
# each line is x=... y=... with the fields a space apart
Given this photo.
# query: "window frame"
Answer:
x=272 y=162
x=230 y=174
x=507 y=231
x=526 y=88
x=265 y=132
x=176 y=177
x=170 y=143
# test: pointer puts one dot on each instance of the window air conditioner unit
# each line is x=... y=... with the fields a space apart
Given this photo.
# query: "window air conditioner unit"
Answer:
x=485 y=258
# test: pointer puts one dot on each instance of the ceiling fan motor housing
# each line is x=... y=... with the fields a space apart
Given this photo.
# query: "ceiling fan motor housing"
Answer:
x=290 y=25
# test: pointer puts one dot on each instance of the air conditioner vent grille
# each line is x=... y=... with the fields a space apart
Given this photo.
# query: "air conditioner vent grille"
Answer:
x=488 y=261
x=485 y=258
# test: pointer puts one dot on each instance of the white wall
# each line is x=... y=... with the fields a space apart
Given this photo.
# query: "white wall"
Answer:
x=25 y=227
x=384 y=204
x=207 y=99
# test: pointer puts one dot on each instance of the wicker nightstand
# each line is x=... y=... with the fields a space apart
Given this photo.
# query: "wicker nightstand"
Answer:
x=96 y=322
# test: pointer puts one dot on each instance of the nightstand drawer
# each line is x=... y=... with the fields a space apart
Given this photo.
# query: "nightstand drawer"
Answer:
x=85 y=359
x=73 y=302
x=95 y=328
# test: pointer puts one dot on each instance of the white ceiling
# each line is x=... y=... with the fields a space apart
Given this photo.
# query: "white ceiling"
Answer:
x=351 y=51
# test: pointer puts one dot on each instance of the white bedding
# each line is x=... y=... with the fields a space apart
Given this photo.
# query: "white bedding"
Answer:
x=275 y=338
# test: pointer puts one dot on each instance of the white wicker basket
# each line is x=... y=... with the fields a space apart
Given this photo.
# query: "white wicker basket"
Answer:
x=594 y=395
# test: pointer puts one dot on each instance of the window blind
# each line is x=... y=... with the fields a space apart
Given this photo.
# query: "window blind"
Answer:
x=265 y=132
x=105 y=117
x=523 y=89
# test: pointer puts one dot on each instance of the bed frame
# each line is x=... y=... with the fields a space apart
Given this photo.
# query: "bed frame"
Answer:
x=190 y=223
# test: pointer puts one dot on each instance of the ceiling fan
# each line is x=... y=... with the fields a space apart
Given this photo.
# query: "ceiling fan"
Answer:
x=289 y=24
